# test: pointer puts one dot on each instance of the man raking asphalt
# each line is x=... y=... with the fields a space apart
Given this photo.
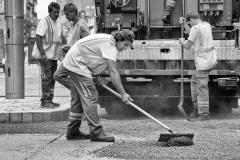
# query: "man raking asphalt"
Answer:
x=170 y=139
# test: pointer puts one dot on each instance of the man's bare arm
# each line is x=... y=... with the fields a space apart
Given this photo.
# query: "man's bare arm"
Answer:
x=115 y=77
x=64 y=40
x=39 y=43
x=185 y=43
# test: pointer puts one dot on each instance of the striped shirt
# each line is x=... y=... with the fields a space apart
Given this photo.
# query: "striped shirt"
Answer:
x=88 y=55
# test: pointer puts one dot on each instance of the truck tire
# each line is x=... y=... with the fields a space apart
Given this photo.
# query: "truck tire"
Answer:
x=221 y=110
x=223 y=105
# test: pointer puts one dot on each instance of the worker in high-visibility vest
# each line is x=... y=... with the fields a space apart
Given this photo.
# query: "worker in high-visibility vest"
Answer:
x=49 y=39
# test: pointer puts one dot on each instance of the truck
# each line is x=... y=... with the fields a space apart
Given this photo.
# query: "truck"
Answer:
x=151 y=72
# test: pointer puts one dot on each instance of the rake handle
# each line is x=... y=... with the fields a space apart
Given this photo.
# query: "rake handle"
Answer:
x=139 y=109
x=180 y=106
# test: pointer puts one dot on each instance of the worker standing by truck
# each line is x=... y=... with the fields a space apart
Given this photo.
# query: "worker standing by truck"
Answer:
x=200 y=37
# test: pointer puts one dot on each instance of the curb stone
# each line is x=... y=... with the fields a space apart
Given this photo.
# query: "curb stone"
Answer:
x=35 y=116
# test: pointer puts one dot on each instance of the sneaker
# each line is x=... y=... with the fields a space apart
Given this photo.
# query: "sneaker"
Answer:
x=102 y=137
x=78 y=136
x=55 y=104
x=46 y=105
x=201 y=118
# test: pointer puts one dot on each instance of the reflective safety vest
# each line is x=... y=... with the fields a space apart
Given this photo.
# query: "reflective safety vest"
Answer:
x=47 y=41
x=48 y=38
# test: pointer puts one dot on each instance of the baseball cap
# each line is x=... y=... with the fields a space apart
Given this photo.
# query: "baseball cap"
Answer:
x=129 y=36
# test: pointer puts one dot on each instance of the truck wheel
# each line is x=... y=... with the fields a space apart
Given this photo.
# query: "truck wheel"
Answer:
x=223 y=105
x=221 y=110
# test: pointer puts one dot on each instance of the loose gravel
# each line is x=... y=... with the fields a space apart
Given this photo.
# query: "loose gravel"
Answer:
x=218 y=138
x=136 y=138
x=178 y=141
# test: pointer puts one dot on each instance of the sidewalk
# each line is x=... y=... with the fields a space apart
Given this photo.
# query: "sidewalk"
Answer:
x=28 y=110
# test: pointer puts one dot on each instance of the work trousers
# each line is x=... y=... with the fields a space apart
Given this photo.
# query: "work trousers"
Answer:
x=169 y=7
x=200 y=91
x=62 y=76
x=89 y=100
x=47 y=80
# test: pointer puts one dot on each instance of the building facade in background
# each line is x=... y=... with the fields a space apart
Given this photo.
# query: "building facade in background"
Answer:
x=30 y=19
x=2 y=19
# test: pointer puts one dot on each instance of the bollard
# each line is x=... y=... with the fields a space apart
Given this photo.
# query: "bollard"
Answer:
x=14 y=74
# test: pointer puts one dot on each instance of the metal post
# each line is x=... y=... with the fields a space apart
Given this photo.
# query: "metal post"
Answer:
x=148 y=19
x=238 y=40
x=182 y=52
x=40 y=81
x=14 y=75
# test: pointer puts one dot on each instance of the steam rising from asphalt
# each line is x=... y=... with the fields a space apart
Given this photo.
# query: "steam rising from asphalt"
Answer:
x=172 y=113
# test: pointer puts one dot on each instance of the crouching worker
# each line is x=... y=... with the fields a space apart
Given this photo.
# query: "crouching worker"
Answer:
x=200 y=37
x=88 y=57
x=78 y=30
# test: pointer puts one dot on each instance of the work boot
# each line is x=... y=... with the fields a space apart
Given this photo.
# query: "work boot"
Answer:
x=77 y=136
x=55 y=104
x=194 y=113
x=102 y=137
x=201 y=118
x=47 y=105
x=73 y=131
